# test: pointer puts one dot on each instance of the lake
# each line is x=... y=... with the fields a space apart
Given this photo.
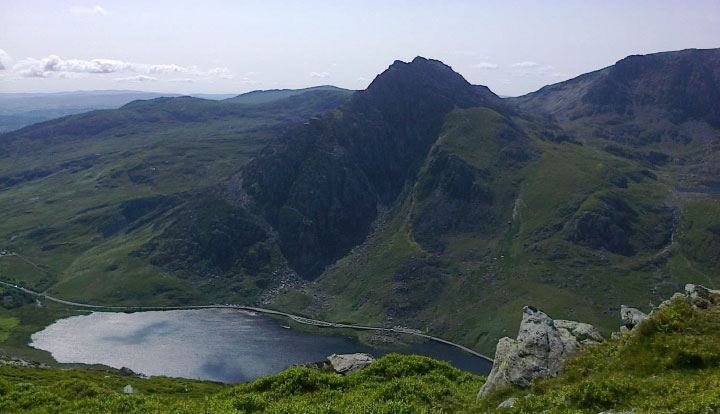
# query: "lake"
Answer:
x=214 y=344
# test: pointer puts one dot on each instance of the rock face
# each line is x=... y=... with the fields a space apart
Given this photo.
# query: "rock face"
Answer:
x=319 y=184
x=348 y=363
x=542 y=345
x=509 y=403
x=631 y=317
x=699 y=296
x=581 y=331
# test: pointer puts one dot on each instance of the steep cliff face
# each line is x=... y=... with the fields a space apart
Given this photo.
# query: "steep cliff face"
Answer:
x=321 y=184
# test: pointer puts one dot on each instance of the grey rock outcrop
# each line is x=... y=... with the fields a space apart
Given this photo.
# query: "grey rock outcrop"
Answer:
x=667 y=302
x=540 y=349
x=348 y=363
x=581 y=331
x=699 y=296
x=509 y=403
x=631 y=317
x=129 y=389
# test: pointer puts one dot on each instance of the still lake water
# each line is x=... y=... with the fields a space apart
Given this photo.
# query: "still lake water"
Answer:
x=215 y=344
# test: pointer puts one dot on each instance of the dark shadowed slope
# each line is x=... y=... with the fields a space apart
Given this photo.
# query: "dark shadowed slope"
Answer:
x=321 y=184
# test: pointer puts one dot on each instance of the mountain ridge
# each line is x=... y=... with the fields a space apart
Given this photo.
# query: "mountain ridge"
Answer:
x=423 y=201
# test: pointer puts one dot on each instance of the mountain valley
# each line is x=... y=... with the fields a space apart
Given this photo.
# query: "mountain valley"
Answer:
x=422 y=201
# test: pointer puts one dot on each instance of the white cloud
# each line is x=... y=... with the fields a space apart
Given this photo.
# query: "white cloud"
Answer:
x=222 y=73
x=43 y=68
x=137 y=78
x=88 y=10
x=319 y=75
x=55 y=66
x=166 y=69
x=5 y=60
x=525 y=64
x=486 y=65
x=182 y=80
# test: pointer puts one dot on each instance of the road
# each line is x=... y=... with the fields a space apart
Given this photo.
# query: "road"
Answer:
x=296 y=318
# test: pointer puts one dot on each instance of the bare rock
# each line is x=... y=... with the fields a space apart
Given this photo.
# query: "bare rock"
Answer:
x=538 y=351
x=129 y=389
x=667 y=302
x=509 y=403
x=699 y=296
x=631 y=317
x=581 y=331
x=348 y=363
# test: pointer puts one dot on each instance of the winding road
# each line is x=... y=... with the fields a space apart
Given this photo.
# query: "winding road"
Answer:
x=296 y=318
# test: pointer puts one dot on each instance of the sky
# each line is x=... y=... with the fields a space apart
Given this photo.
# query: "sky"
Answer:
x=224 y=46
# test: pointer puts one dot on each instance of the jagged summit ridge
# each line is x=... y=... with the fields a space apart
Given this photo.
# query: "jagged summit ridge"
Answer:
x=321 y=183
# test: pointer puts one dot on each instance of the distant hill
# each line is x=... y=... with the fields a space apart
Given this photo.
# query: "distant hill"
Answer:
x=662 y=108
x=422 y=201
x=679 y=85
x=265 y=96
x=20 y=109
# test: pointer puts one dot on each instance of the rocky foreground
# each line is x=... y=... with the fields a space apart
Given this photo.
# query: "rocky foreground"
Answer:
x=543 y=345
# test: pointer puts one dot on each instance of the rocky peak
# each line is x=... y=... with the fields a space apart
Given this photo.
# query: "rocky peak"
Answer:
x=320 y=184
x=425 y=79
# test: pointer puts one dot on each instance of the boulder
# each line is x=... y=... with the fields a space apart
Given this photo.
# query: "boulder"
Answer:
x=667 y=302
x=631 y=317
x=699 y=296
x=539 y=351
x=348 y=363
x=509 y=403
x=581 y=331
x=129 y=389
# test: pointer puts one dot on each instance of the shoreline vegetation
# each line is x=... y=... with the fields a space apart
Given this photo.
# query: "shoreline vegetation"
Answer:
x=251 y=309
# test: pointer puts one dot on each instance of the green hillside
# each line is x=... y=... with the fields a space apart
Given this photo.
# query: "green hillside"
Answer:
x=81 y=194
x=672 y=365
x=270 y=95
x=423 y=201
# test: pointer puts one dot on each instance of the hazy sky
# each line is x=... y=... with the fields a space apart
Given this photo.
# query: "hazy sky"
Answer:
x=216 y=46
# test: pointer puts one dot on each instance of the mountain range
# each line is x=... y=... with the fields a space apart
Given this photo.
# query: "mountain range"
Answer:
x=422 y=201
x=21 y=109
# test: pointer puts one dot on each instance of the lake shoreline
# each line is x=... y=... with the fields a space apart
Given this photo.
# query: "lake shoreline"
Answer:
x=220 y=345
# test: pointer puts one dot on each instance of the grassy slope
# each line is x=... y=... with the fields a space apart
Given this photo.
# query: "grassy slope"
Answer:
x=671 y=366
x=160 y=148
x=270 y=95
x=487 y=275
x=394 y=384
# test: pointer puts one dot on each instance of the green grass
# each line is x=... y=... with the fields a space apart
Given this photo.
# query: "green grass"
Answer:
x=521 y=255
x=28 y=319
x=394 y=384
x=7 y=324
x=672 y=365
